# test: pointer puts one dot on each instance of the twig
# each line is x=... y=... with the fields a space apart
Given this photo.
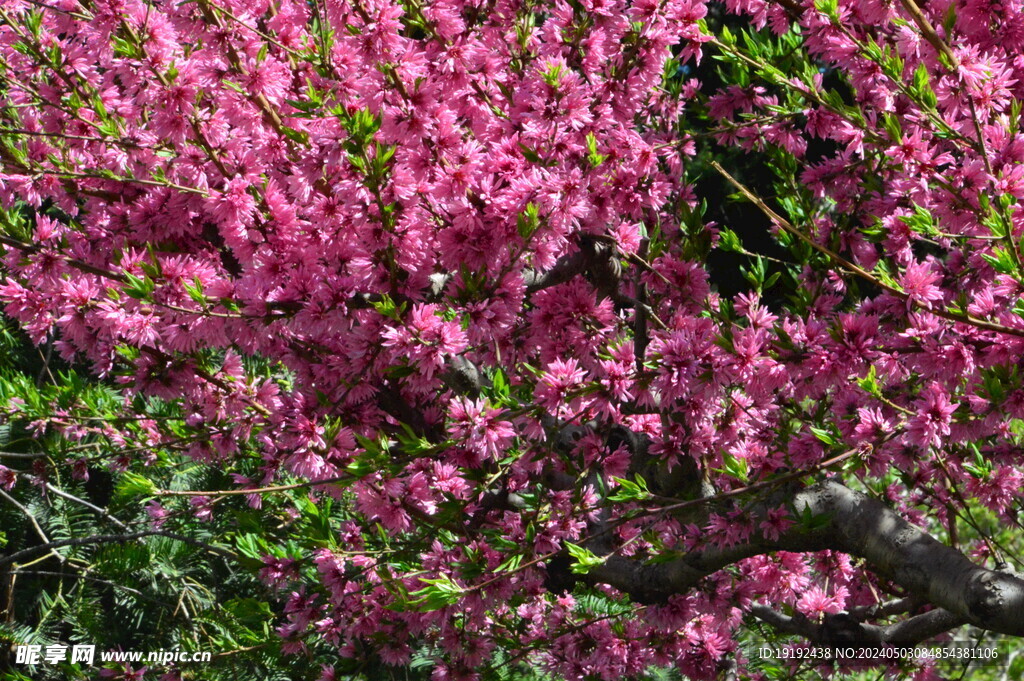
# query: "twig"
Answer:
x=114 y=539
x=131 y=590
x=20 y=455
x=788 y=227
x=102 y=511
x=257 y=490
x=35 y=524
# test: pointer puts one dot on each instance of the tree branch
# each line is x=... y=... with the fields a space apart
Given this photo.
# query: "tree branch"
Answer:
x=102 y=511
x=844 y=629
x=860 y=526
x=35 y=523
x=898 y=606
x=112 y=539
x=921 y=627
x=95 y=580
x=785 y=225
x=786 y=624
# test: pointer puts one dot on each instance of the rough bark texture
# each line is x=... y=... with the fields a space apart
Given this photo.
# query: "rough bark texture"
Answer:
x=845 y=629
x=862 y=527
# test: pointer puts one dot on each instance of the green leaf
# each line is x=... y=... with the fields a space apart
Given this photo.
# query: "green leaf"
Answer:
x=1002 y=261
x=234 y=86
x=728 y=240
x=735 y=467
x=922 y=85
x=411 y=442
x=583 y=559
x=553 y=75
x=362 y=466
x=195 y=290
x=250 y=611
x=869 y=383
x=528 y=221
x=134 y=485
x=949 y=20
x=499 y=384
x=893 y=127
x=387 y=308
x=137 y=287
x=825 y=436
x=630 y=490
x=297 y=136
x=439 y=593
x=251 y=545
x=307 y=107
x=726 y=36
x=510 y=564
x=593 y=156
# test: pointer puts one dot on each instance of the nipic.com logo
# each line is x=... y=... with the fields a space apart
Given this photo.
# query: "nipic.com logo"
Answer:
x=86 y=654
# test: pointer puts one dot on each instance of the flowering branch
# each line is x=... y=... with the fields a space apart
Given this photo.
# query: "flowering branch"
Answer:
x=860 y=271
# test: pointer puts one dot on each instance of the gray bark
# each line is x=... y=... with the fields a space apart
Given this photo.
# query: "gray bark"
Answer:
x=860 y=526
x=844 y=628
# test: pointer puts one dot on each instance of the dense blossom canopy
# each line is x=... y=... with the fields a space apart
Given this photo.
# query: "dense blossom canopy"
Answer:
x=450 y=258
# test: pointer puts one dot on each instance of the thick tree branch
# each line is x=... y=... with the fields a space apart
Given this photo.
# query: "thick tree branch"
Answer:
x=844 y=629
x=921 y=627
x=786 y=624
x=567 y=267
x=898 y=606
x=860 y=526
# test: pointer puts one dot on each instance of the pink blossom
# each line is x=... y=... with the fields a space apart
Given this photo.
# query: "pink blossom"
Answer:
x=931 y=423
x=919 y=283
x=815 y=602
x=157 y=514
x=202 y=507
x=7 y=478
x=480 y=429
x=776 y=522
x=468 y=230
